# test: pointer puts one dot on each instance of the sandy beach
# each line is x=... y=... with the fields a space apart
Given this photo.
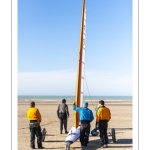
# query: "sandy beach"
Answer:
x=121 y=112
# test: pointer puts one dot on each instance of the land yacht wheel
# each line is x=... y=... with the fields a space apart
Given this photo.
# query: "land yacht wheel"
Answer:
x=113 y=135
x=43 y=134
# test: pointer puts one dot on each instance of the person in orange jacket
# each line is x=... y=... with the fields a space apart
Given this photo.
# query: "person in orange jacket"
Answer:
x=34 y=118
x=103 y=116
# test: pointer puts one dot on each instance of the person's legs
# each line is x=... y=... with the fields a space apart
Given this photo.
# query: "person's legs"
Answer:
x=39 y=136
x=103 y=125
x=82 y=133
x=101 y=130
x=32 y=137
x=65 y=125
x=61 y=125
x=105 y=136
x=87 y=131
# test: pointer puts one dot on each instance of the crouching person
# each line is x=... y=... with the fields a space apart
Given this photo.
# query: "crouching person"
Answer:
x=34 y=118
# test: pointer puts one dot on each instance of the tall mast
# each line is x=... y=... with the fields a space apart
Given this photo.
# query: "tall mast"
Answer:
x=80 y=73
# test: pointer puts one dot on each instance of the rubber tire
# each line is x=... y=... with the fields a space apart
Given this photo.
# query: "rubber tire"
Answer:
x=43 y=134
x=113 y=135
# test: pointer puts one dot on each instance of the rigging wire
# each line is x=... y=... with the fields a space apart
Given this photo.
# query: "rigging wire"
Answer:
x=88 y=89
x=90 y=95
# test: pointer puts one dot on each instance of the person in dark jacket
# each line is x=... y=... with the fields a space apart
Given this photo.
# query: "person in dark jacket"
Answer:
x=34 y=118
x=63 y=114
x=86 y=117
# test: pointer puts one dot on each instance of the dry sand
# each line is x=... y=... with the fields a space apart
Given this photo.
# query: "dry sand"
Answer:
x=121 y=112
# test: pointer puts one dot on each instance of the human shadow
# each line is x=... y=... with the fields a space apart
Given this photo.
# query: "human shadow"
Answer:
x=55 y=148
x=55 y=141
x=124 y=141
x=121 y=128
x=95 y=144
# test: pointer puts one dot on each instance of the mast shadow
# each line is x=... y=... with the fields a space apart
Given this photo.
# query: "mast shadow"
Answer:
x=124 y=141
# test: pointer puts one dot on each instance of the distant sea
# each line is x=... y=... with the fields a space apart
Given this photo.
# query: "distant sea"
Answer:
x=40 y=97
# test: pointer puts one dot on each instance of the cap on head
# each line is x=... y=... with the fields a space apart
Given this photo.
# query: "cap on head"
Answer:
x=85 y=104
x=63 y=101
x=101 y=102
x=32 y=103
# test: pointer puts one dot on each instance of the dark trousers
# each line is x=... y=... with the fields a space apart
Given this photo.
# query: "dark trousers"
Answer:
x=84 y=133
x=103 y=125
x=35 y=131
x=63 y=122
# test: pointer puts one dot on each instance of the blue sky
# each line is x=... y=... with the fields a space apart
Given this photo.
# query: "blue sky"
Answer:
x=48 y=42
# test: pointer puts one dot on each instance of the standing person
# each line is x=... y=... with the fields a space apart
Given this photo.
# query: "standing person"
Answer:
x=103 y=116
x=98 y=106
x=96 y=109
x=34 y=117
x=86 y=117
x=63 y=114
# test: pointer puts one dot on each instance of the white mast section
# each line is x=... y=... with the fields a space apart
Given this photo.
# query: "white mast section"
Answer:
x=74 y=132
x=83 y=57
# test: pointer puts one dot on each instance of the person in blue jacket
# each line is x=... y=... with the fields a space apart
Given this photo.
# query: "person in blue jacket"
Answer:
x=86 y=117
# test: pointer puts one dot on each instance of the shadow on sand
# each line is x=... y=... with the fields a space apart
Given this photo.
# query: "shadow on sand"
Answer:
x=95 y=144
